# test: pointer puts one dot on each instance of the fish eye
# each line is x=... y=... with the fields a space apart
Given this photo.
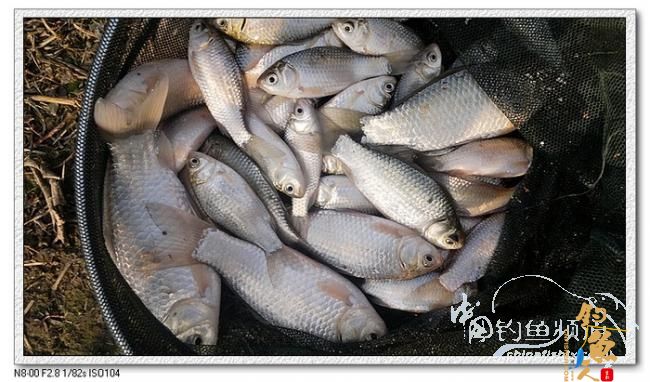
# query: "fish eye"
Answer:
x=272 y=79
x=196 y=340
x=428 y=260
x=222 y=22
x=373 y=336
x=348 y=27
x=432 y=57
x=299 y=111
x=389 y=87
x=289 y=188
x=194 y=162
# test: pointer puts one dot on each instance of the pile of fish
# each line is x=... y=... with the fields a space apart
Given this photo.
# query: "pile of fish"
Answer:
x=345 y=170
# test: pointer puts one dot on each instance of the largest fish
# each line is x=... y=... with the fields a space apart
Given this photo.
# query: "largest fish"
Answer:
x=154 y=229
x=446 y=113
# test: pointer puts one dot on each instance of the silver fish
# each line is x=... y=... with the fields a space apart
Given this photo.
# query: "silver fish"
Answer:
x=215 y=71
x=449 y=112
x=497 y=157
x=470 y=262
x=187 y=132
x=270 y=31
x=229 y=201
x=292 y=291
x=368 y=246
x=425 y=67
x=116 y=114
x=326 y=38
x=473 y=198
x=154 y=230
x=367 y=97
x=303 y=135
x=419 y=295
x=225 y=151
x=337 y=192
x=319 y=72
x=401 y=193
x=275 y=158
x=380 y=37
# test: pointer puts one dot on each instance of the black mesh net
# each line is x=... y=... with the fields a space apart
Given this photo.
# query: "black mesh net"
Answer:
x=560 y=80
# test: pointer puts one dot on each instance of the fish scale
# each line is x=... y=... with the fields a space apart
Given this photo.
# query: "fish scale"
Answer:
x=399 y=191
x=271 y=30
x=286 y=288
x=446 y=113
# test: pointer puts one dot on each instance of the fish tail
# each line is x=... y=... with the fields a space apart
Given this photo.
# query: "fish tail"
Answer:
x=143 y=112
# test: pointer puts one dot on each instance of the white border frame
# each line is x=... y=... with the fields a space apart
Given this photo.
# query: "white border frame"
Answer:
x=630 y=184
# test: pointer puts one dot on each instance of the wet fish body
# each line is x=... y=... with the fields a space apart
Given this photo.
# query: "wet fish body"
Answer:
x=426 y=66
x=275 y=158
x=419 y=295
x=401 y=193
x=275 y=284
x=214 y=68
x=187 y=132
x=270 y=31
x=319 y=72
x=449 y=112
x=337 y=192
x=225 y=151
x=497 y=157
x=326 y=38
x=368 y=246
x=229 y=201
x=470 y=263
x=375 y=36
x=474 y=198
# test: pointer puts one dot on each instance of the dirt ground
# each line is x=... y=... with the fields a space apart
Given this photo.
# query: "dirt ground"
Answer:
x=61 y=316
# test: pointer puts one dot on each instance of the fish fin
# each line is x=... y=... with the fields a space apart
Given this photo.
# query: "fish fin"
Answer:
x=401 y=60
x=262 y=151
x=179 y=231
x=335 y=290
x=166 y=152
x=300 y=224
x=345 y=120
x=107 y=225
x=116 y=121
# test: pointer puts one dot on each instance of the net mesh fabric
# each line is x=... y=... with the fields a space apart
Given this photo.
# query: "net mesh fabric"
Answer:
x=560 y=80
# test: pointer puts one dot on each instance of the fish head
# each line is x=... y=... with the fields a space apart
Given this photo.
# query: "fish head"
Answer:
x=303 y=117
x=229 y=26
x=416 y=255
x=200 y=167
x=360 y=323
x=429 y=63
x=382 y=91
x=200 y=36
x=193 y=321
x=290 y=182
x=445 y=234
x=280 y=79
x=353 y=32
